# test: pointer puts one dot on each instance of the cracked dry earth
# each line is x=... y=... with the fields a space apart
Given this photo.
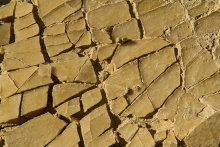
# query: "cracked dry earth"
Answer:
x=110 y=73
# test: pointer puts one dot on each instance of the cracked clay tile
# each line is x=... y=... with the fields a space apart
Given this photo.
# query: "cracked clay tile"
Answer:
x=106 y=51
x=118 y=105
x=212 y=100
x=68 y=138
x=170 y=141
x=166 y=16
x=6 y=82
x=76 y=25
x=34 y=100
x=141 y=107
x=91 y=98
x=5 y=33
x=211 y=136
x=62 y=92
x=131 y=76
x=135 y=49
x=159 y=90
x=10 y=108
x=44 y=128
x=199 y=9
x=201 y=67
x=18 y=75
x=189 y=49
x=54 y=50
x=217 y=55
x=207 y=86
x=107 y=139
x=127 y=131
x=56 y=40
x=59 y=14
x=24 y=22
x=145 y=6
x=75 y=16
x=28 y=32
x=23 y=9
x=101 y=36
x=7 y=10
x=40 y=78
x=124 y=30
x=69 y=108
x=55 y=29
x=208 y=24
x=188 y=109
x=96 y=19
x=170 y=106
x=65 y=57
x=22 y=54
x=87 y=73
x=153 y=65
x=179 y=32
x=84 y=40
x=44 y=8
x=68 y=70
x=98 y=117
x=143 y=138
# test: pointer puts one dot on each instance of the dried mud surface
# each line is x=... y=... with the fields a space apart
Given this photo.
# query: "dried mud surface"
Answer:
x=110 y=73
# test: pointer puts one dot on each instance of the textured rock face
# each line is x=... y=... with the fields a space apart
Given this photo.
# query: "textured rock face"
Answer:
x=104 y=73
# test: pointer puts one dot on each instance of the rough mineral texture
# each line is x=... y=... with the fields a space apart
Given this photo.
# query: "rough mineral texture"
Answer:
x=109 y=73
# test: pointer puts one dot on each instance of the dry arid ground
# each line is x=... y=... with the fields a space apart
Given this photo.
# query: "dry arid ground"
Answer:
x=110 y=73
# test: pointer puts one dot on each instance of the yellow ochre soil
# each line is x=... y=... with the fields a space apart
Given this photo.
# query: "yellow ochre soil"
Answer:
x=110 y=73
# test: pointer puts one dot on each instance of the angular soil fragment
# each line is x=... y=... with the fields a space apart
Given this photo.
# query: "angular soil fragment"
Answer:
x=69 y=108
x=145 y=6
x=203 y=24
x=107 y=139
x=124 y=30
x=212 y=100
x=62 y=92
x=43 y=128
x=58 y=11
x=189 y=49
x=210 y=138
x=129 y=73
x=142 y=138
x=127 y=131
x=104 y=52
x=5 y=33
x=101 y=36
x=207 y=86
x=22 y=54
x=153 y=65
x=132 y=50
x=39 y=78
x=10 y=108
x=140 y=107
x=156 y=21
x=98 y=117
x=118 y=105
x=7 y=10
x=23 y=9
x=179 y=32
x=68 y=138
x=161 y=89
x=201 y=67
x=34 y=101
x=91 y=98
x=6 y=82
x=96 y=19
x=188 y=109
